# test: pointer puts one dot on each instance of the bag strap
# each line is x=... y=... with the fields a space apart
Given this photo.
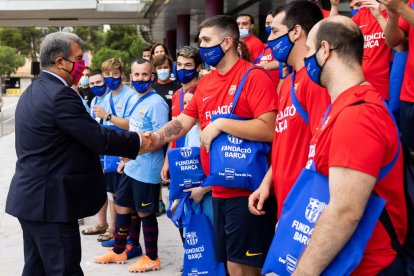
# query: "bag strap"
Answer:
x=140 y=101
x=181 y=100
x=111 y=103
x=180 y=218
x=281 y=70
x=295 y=101
x=240 y=86
x=260 y=57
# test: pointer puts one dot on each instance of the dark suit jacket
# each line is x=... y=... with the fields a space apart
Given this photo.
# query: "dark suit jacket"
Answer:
x=58 y=174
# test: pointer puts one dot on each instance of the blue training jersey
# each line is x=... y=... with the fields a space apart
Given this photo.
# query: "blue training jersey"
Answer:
x=122 y=103
x=149 y=115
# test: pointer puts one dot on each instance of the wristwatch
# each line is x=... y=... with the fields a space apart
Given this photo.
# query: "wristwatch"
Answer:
x=108 y=118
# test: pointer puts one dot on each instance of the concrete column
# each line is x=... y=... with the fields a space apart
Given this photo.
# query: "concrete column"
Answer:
x=183 y=30
x=213 y=7
x=171 y=42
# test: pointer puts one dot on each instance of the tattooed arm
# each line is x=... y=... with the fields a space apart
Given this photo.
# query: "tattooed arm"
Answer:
x=171 y=131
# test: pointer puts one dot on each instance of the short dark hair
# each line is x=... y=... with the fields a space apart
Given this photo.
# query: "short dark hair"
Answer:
x=278 y=10
x=270 y=13
x=347 y=39
x=95 y=72
x=303 y=13
x=143 y=61
x=190 y=52
x=147 y=48
x=223 y=23
x=248 y=15
x=159 y=60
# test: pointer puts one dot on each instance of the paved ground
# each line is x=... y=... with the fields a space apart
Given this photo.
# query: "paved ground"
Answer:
x=11 y=243
x=7 y=115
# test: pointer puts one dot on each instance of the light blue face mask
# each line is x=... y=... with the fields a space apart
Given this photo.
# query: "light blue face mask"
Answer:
x=243 y=33
x=84 y=81
x=212 y=55
x=163 y=74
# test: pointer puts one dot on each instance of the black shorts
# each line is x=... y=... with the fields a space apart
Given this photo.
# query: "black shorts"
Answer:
x=407 y=123
x=112 y=180
x=240 y=236
x=139 y=195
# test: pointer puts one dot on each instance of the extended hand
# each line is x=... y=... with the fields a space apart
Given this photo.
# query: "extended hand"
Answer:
x=373 y=6
x=150 y=141
x=210 y=132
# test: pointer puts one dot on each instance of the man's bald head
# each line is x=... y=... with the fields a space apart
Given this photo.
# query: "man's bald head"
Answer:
x=343 y=35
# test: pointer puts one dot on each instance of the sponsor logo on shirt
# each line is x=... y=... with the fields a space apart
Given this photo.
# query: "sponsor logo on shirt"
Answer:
x=232 y=89
x=223 y=109
x=249 y=254
x=282 y=117
x=119 y=106
x=372 y=40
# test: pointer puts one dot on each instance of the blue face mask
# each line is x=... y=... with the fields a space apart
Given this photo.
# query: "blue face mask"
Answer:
x=212 y=55
x=281 y=47
x=268 y=30
x=185 y=76
x=313 y=68
x=113 y=83
x=99 y=90
x=141 y=86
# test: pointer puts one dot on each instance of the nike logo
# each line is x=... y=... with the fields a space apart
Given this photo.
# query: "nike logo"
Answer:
x=248 y=254
x=362 y=26
x=206 y=98
x=145 y=204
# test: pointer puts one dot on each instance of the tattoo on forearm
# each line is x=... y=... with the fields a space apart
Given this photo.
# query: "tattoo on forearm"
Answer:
x=173 y=128
x=162 y=137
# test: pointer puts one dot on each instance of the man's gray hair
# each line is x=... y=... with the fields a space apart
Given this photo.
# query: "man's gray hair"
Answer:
x=56 y=45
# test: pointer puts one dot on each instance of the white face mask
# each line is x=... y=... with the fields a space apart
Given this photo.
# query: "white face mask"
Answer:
x=244 y=32
x=163 y=74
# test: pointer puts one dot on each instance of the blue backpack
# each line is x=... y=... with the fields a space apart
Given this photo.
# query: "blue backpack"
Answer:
x=301 y=211
x=235 y=162
x=199 y=256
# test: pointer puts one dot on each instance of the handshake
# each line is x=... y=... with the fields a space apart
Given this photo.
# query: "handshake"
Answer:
x=150 y=141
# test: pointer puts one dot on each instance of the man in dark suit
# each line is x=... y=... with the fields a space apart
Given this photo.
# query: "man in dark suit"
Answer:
x=58 y=176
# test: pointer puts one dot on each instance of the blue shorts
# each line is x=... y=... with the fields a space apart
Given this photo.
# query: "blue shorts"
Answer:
x=112 y=180
x=142 y=196
x=240 y=236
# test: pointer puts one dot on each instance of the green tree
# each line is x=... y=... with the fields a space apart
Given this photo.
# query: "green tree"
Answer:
x=93 y=37
x=106 y=53
x=9 y=60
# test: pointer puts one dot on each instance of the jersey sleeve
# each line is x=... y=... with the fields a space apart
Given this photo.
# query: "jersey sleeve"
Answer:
x=317 y=101
x=261 y=93
x=359 y=139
